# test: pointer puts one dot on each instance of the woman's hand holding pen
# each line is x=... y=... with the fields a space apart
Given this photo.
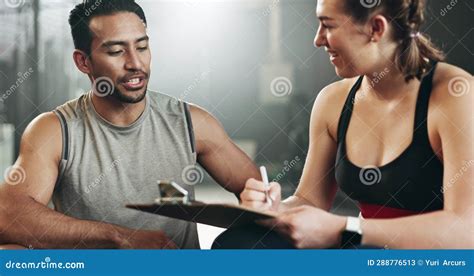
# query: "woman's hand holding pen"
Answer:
x=254 y=195
x=304 y=226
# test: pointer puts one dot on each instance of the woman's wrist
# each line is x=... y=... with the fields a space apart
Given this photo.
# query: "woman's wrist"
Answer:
x=288 y=203
x=364 y=225
x=353 y=232
x=341 y=222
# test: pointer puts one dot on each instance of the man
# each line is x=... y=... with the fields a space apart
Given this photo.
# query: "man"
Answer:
x=109 y=147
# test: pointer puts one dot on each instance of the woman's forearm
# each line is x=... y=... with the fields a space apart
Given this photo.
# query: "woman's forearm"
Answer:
x=294 y=201
x=290 y=202
x=441 y=229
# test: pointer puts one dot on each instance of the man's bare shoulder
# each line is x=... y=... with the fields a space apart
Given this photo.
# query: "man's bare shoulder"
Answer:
x=202 y=119
x=43 y=136
x=209 y=132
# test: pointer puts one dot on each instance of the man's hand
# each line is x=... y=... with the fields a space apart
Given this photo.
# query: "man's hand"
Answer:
x=144 y=239
x=11 y=246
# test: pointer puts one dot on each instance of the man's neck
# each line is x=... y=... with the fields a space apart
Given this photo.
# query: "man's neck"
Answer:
x=116 y=112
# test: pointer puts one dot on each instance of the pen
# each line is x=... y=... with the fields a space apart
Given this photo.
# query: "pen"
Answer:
x=263 y=173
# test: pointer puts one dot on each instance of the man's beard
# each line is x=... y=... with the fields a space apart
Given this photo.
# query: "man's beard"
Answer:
x=117 y=94
x=105 y=87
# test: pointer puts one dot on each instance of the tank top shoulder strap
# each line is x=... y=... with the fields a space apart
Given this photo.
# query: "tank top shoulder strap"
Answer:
x=421 y=113
x=346 y=113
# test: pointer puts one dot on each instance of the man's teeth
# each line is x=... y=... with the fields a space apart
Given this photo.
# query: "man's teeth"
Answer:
x=134 y=81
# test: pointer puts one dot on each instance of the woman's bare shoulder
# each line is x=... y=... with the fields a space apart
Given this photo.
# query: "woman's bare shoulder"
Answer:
x=452 y=94
x=445 y=72
x=451 y=82
x=329 y=103
x=335 y=94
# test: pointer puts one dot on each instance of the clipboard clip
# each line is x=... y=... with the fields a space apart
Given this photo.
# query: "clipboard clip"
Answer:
x=171 y=192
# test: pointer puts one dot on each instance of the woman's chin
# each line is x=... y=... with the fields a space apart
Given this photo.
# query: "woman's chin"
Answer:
x=345 y=73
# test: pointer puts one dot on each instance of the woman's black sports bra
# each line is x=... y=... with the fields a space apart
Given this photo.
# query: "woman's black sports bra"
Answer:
x=412 y=183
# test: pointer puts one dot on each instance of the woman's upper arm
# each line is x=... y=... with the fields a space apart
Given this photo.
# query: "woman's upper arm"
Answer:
x=455 y=125
x=318 y=183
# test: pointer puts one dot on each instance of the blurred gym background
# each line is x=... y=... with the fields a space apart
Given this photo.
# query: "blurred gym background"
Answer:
x=251 y=63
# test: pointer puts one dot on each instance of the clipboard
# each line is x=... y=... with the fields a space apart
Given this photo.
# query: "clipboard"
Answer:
x=173 y=202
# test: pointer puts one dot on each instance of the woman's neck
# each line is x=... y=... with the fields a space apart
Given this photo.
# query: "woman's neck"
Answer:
x=388 y=84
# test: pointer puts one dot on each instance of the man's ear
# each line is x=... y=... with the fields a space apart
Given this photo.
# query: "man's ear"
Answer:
x=378 y=27
x=82 y=61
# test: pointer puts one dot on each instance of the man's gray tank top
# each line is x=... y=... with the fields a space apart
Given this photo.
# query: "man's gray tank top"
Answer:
x=104 y=166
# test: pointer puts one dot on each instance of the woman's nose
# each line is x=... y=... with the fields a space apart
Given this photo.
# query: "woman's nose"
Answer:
x=319 y=39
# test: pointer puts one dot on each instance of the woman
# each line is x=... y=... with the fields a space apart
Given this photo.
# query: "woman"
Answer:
x=395 y=135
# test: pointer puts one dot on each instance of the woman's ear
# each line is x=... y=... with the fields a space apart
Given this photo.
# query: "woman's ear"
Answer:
x=82 y=61
x=378 y=27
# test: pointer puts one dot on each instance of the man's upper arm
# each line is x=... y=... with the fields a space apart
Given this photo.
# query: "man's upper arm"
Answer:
x=221 y=158
x=36 y=170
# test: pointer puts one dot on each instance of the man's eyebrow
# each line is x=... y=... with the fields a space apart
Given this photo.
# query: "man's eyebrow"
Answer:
x=111 y=43
x=144 y=38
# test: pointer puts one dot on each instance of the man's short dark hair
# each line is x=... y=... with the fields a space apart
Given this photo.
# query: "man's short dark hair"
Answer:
x=82 y=14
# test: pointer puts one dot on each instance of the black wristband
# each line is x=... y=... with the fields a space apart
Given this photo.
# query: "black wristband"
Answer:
x=350 y=240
